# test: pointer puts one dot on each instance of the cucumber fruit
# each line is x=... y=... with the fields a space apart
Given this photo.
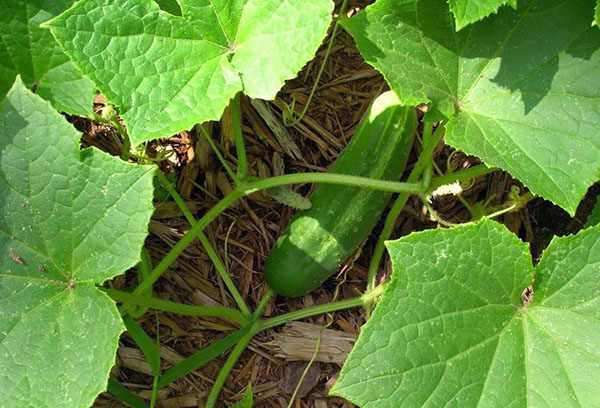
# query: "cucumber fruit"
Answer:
x=320 y=239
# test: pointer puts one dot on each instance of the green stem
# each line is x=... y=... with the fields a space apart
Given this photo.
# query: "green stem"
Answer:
x=236 y=114
x=430 y=143
x=126 y=147
x=363 y=300
x=332 y=178
x=436 y=216
x=226 y=369
x=214 y=257
x=144 y=268
x=503 y=209
x=249 y=188
x=289 y=112
x=263 y=303
x=206 y=311
x=156 y=364
x=461 y=175
x=187 y=239
x=228 y=169
x=275 y=321
x=154 y=392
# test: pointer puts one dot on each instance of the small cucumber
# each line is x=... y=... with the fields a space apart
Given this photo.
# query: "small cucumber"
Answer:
x=320 y=239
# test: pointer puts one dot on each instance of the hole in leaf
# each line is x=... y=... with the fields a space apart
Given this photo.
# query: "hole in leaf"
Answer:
x=527 y=295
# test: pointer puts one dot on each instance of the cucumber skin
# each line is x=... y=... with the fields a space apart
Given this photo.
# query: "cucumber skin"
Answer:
x=320 y=239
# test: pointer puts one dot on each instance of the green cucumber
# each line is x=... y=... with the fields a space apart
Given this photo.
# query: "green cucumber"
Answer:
x=320 y=239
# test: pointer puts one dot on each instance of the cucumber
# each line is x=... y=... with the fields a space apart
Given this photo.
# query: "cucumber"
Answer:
x=320 y=239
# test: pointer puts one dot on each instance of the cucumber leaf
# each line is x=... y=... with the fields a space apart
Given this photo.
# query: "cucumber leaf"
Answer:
x=167 y=73
x=31 y=51
x=469 y=11
x=69 y=219
x=452 y=328
x=519 y=89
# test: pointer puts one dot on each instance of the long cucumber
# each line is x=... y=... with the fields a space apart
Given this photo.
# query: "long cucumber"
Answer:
x=318 y=240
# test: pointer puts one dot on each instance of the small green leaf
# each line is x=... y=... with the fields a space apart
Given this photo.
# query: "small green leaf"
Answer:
x=519 y=89
x=469 y=11
x=247 y=401
x=594 y=218
x=597 y=14
x=31 y=51
x=452 y=328
x=170 y=6
x=69 y=219
x=289 y=197
x=167 y=73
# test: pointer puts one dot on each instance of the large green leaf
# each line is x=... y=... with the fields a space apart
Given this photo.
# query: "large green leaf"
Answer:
x=31 y=51
x=69 y=219
x=470 y=11
x=167 y=73
x=452 y=329
x=520 y=88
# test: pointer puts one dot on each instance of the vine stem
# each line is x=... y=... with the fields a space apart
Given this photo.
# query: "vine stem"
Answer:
x=263 y=303
x=236 y=115
x=430 y=143
x=523 y=200
x=237 y=351
x=261 y=325
x=206 y=311
x=333 y=178
x=251 y=187
x=214 y=257
x=367 y=298
x=217 y=152
x=187 y=239
x=226 y=369
x=461 y=175
x=290 y=112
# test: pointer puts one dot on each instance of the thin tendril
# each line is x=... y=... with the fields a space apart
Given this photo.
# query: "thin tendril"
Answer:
x=288 y=112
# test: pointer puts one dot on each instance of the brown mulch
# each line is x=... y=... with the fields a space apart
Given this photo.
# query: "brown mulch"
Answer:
x=245 y=232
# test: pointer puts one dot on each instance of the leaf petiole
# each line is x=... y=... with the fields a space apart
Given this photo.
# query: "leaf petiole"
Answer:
x=236 y=114
x=214 y=257
x=430 y=143
x=206 y=311
x=367 y=298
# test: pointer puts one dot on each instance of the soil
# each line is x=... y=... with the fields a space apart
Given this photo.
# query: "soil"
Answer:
x=244 y=234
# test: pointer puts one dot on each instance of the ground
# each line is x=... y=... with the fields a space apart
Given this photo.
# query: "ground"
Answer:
x=244 y=234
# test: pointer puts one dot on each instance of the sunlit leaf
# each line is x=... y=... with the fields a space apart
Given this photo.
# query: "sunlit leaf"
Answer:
x=166 y=73
x=31 y=51
x=519 y=89
x=453 y=329
x=69 y=219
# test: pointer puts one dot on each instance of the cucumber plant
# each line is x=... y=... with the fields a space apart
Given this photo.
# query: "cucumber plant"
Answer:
x=319 y=239
x=514 y=83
